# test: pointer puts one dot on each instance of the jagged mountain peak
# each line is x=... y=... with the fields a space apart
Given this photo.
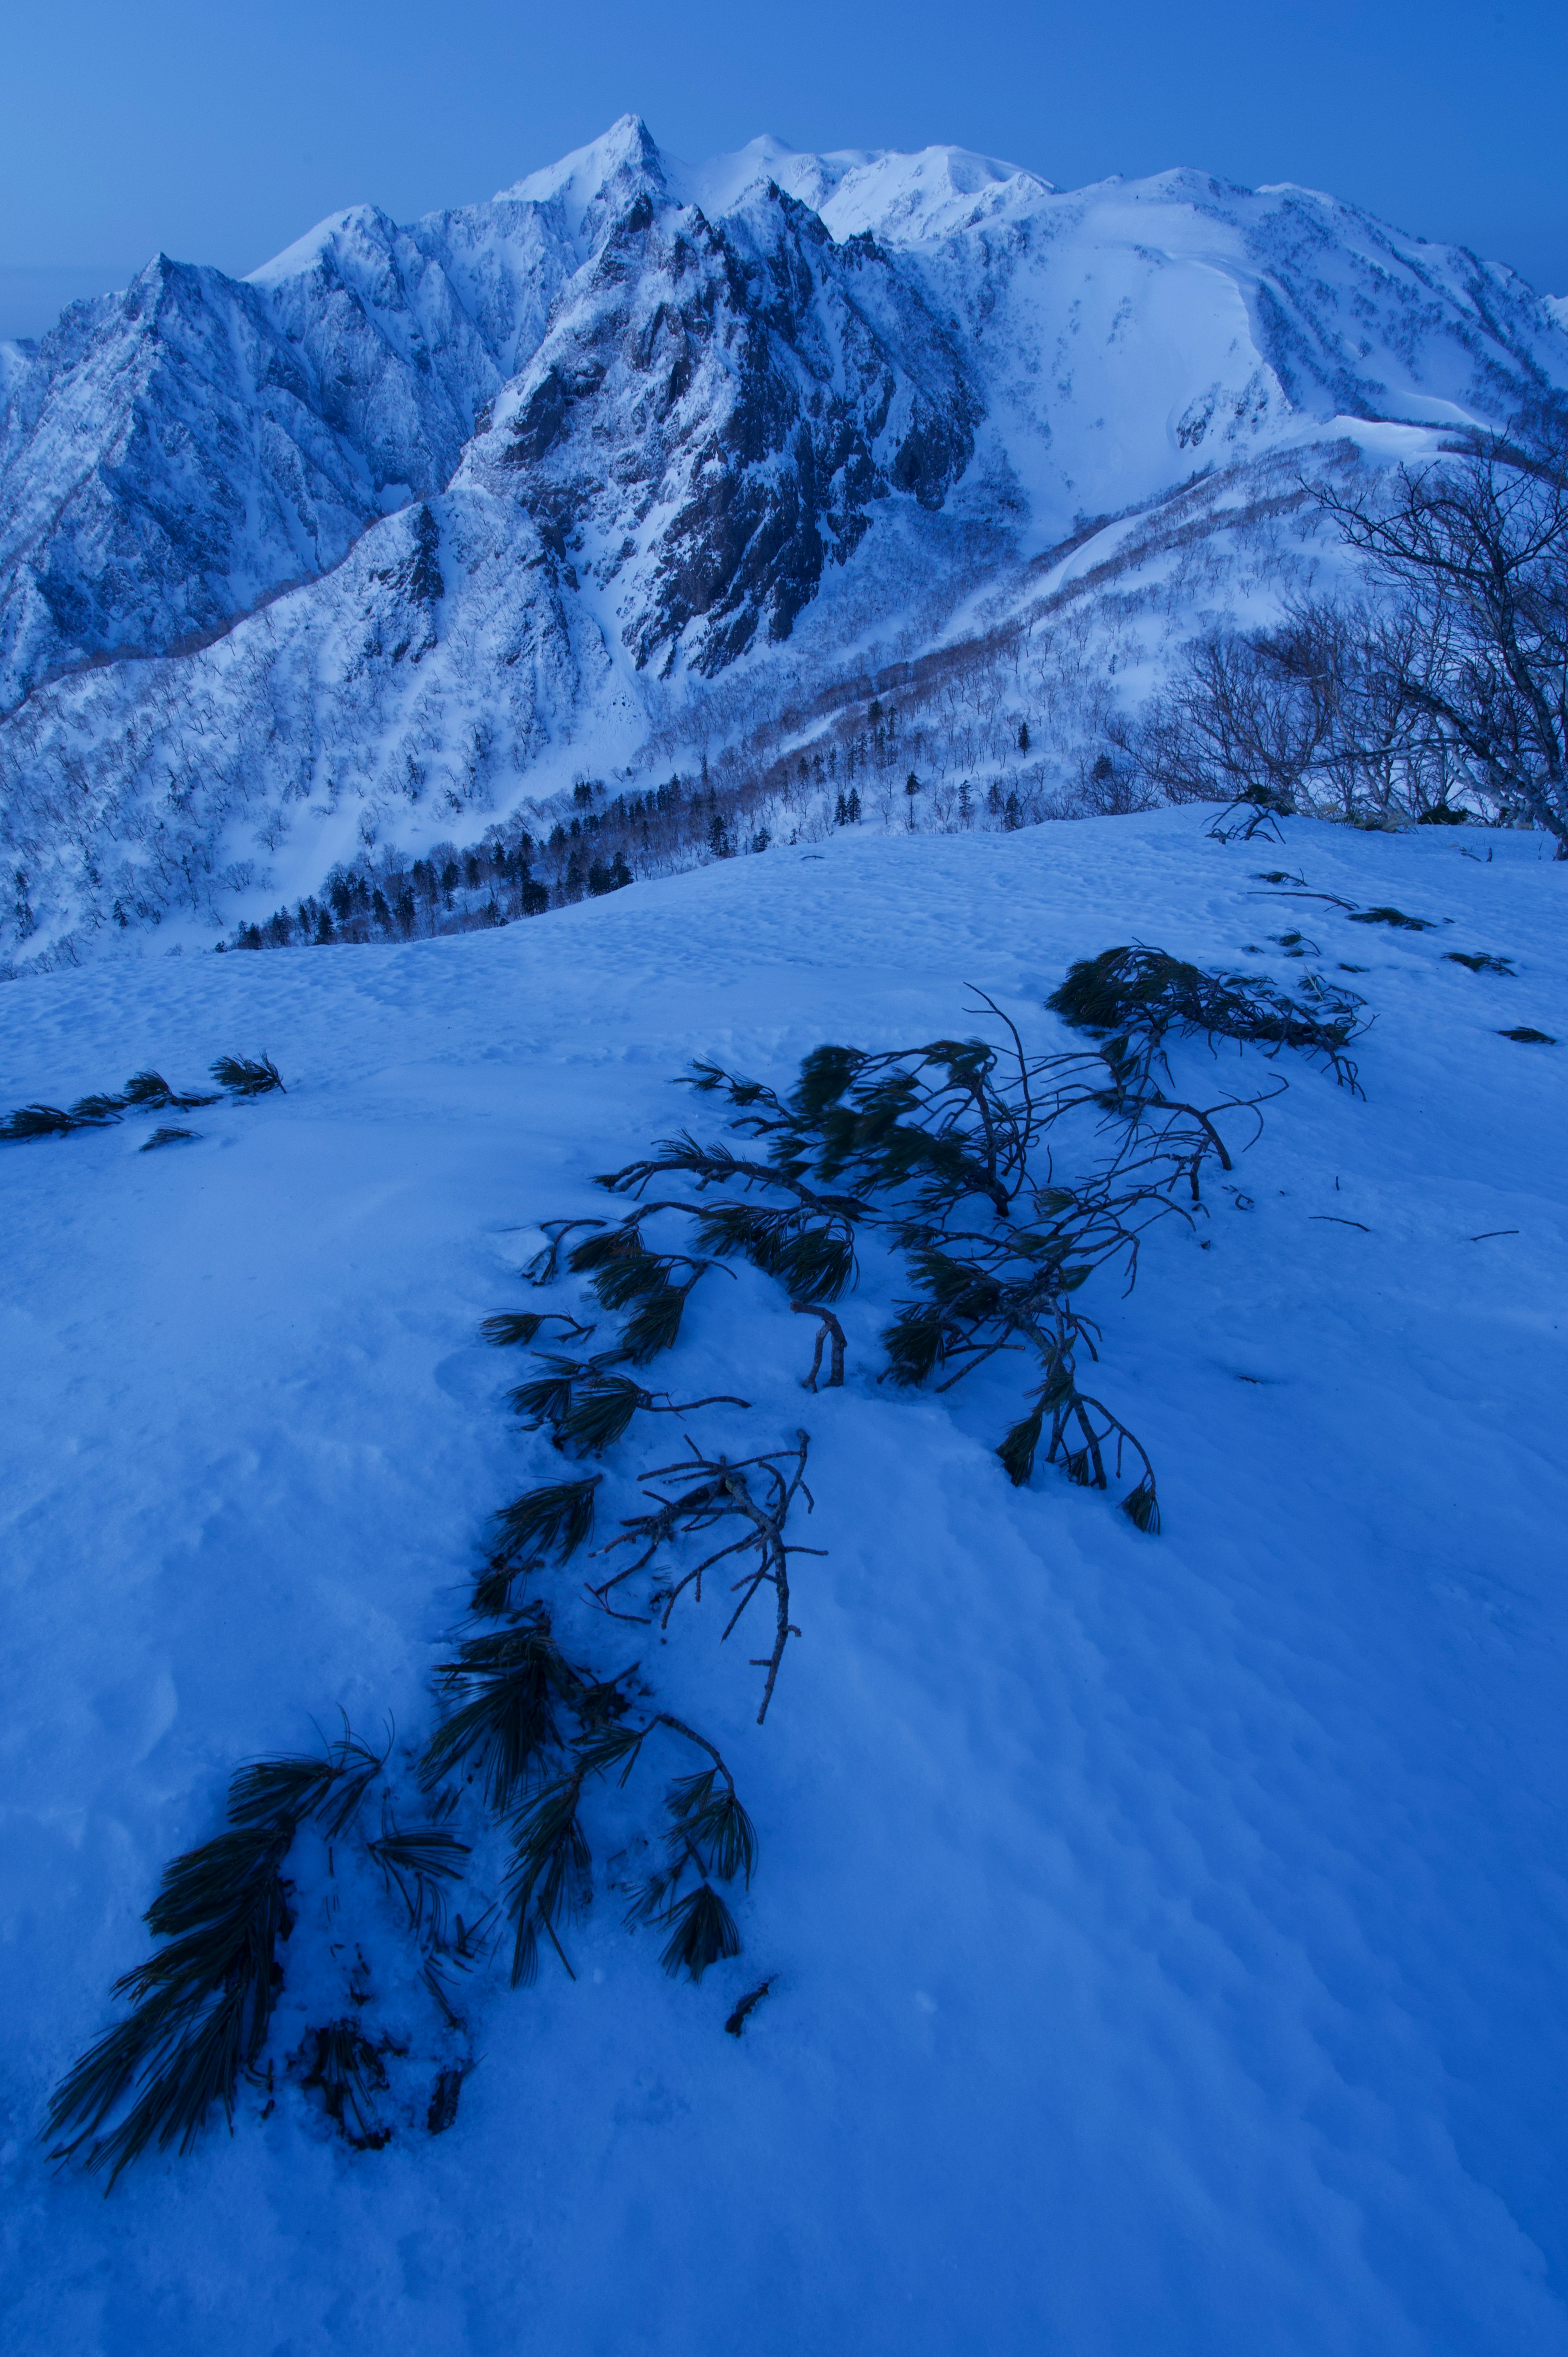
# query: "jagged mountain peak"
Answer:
x=582 y=196
x=628 y=144
x=720 y=182
x=935 y=192
x=900 y=197
x=714 y=414
x=365 y=226
x=589 y=189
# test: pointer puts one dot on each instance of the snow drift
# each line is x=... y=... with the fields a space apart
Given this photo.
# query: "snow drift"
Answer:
x=1165 y=1934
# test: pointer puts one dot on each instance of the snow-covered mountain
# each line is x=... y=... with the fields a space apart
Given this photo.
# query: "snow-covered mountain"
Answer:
x=418 y=521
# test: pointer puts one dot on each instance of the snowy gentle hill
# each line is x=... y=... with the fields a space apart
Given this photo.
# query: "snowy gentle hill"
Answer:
x=633 y=461
x=1165 y=1934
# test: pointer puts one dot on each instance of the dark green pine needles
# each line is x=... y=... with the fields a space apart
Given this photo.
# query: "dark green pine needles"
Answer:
x=506 y=1688
x=512 y=1692
x=201 y=2005
x=709 y=1838
x=1142 y=995
x=145 y=1092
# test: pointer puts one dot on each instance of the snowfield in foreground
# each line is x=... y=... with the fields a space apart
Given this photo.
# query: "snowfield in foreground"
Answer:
x=1167 y=1935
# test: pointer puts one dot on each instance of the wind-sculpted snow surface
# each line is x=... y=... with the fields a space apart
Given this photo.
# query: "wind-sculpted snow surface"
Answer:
x=699 y=446
x=1164 y=1935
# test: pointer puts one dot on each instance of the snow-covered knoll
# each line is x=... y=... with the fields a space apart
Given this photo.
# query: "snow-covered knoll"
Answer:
x=1167 y=1935
x=419 y=524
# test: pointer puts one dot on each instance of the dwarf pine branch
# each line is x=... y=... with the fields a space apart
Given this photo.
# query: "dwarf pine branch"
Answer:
x=505 y=1690
x=709 y=1837
x=545 y=1266
x=556 y=1520
x=588 y=1405
x=246 y=1077
x=510 y=1327
x=1137 y=996
x=145 y=1092
x=201 y=2004
x=946 y=1151
x=828 y=1328
x=512 y=1692
x=756 y=1491
x=150 y=1093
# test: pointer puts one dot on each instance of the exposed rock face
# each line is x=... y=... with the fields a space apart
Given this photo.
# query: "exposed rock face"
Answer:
x=713 y=416
x=416 y=518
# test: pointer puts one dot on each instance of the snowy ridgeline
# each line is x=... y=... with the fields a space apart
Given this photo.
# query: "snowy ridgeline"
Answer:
x=634 y=469
x=1163 y=1934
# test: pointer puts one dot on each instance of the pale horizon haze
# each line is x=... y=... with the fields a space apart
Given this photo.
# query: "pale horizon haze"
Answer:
x=218 y=136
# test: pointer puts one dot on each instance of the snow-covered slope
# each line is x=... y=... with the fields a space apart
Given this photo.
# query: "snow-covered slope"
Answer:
x=1167 y=1935
x=681 y=447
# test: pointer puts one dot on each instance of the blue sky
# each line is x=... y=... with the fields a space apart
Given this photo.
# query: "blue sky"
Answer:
x=220 y=133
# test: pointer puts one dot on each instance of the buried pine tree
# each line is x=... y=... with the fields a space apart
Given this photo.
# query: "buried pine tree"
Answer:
x=946 y=1160
x=944 y=1154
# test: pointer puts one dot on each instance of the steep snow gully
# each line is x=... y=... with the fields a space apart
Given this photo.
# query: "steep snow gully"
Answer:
x=1165 y=1935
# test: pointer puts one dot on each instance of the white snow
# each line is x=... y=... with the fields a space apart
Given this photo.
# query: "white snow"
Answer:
x=902 y=199
x=307 y=252
x=1170 y=1932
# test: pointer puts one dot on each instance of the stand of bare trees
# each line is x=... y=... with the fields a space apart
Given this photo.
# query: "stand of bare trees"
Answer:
x=1443 y=690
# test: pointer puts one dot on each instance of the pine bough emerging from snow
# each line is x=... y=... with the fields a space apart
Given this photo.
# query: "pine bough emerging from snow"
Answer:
x=201 y=2006
x=241 y=1076
x=943 y=1156
x=510 y=1691
x=946 y=1152
x=532 y=1730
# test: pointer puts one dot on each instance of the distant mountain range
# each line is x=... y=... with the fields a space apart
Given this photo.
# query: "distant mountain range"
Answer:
x=416 y=524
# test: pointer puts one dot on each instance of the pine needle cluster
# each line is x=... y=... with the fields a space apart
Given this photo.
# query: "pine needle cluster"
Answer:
x=202 y=2008
x=1138 y=997
x=201 y=2004
x=238 y=1076
x=536 y=1731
